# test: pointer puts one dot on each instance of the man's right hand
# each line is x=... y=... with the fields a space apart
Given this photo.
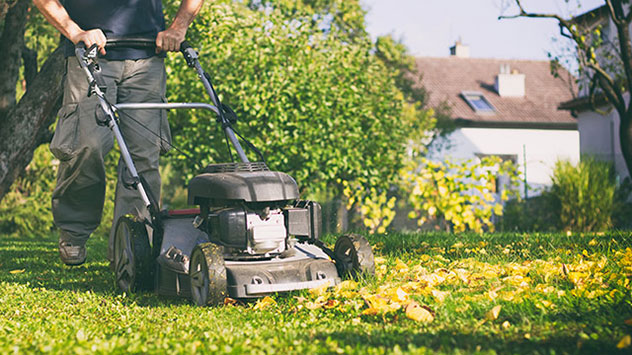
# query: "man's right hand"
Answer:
x=91 y=37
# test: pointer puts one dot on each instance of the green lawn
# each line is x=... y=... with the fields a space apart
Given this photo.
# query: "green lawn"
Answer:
x=504 y=293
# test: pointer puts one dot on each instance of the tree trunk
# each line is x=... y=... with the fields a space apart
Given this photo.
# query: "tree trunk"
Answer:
x=11 y=43
x=26 y=124
x=625 y=138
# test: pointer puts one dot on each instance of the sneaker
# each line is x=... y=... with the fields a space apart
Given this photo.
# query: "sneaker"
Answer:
x=72 y=254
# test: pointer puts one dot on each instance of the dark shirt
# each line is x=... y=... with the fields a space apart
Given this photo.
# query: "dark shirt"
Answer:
x=117 y=18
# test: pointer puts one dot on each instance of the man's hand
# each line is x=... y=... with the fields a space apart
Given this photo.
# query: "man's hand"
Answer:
x=170 y=39
x=89 y=38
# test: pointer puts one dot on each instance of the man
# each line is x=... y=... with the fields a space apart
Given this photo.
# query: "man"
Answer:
x=131 y=75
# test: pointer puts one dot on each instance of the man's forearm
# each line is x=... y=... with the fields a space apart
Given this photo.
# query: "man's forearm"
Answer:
x=186 y=13
x=56 y=14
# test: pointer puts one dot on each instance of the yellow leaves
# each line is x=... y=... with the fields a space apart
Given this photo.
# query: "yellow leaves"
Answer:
x=418 y=313
x=400 y=266
x=346 y=289
x=625 y=342
x=320 y=290
x=493 y=313
x=17 y=271
x=439 y=295
x=264 y=303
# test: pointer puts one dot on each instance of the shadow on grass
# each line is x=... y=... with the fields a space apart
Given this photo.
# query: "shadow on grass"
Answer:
x=36 y=262
x=450 y=340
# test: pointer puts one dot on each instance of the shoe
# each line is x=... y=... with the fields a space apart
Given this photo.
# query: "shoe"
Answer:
x=72 y=254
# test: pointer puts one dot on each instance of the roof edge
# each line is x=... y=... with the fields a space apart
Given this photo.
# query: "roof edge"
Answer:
x=561 y=126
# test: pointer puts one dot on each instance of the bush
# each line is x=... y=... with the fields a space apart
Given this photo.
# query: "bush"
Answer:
x=458 y=196
x=534 y=214
x=583 y=198
x=584 y=195
x=26 y=208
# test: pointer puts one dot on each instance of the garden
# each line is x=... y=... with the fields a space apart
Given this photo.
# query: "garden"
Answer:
x=477 y=268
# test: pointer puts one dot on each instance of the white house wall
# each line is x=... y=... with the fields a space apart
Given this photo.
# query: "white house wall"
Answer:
x=543 y=148
x=599 y=137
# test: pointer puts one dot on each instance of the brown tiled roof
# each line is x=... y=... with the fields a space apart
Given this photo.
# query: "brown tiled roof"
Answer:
x=445 y=79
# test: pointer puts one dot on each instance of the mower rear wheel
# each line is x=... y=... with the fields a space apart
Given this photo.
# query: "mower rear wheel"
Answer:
x=354 y=256
x=133 y=264
x=207 y=273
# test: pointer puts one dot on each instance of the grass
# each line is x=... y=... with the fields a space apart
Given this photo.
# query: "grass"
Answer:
x=553 y=293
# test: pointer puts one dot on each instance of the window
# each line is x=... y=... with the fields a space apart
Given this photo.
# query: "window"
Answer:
x=478 y=102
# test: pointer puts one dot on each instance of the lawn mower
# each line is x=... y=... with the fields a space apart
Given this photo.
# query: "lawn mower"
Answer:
x=251 y=235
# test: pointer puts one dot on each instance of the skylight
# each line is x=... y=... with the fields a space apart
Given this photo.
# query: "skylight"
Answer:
x=478 y=102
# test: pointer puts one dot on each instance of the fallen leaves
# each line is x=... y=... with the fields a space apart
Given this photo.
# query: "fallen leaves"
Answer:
x=17 y=271
x=264 y=303
x=624 y=342
x=493 y=313
x=418 y=313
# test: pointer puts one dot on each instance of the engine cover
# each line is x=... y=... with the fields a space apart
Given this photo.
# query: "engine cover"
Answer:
x=257 y=186
x=247 y=231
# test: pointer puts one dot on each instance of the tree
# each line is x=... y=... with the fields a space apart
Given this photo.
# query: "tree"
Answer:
x=24 y=123
x=308 y=88
x=607 y=65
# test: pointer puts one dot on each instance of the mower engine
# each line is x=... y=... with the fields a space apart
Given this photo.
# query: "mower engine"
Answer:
x=249 y=232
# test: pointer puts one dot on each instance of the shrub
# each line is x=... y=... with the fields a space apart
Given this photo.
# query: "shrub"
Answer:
x=584 y=194
x=458 y=196
x=26 y=208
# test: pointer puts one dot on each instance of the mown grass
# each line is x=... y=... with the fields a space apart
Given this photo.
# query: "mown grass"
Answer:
x=557 y=293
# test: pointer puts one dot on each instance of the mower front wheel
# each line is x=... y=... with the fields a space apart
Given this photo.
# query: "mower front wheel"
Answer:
x=207 y=273
x=132 y=256
x=354 y=256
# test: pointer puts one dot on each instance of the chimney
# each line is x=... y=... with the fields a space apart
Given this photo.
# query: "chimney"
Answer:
x=509 y=83
x=460 y=50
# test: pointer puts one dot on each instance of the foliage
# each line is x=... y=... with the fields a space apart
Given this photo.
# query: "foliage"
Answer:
x=539 y=213
x=585 y=194
x=321 y=106
x=25 y=210
x=375 y=208
x=458 y=196
x=432 y=293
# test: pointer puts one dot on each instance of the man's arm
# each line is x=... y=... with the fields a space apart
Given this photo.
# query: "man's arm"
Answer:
x=170 y=39
x=57 y=15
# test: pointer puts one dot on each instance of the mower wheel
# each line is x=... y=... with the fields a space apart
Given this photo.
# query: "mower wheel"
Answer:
x=133 y=266
x=354 y=256
x=207 y=272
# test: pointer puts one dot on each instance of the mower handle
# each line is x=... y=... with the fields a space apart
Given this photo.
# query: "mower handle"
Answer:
x=134 y=42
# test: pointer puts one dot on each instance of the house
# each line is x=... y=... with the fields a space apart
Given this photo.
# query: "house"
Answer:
x=503 y=107
x=597 y=121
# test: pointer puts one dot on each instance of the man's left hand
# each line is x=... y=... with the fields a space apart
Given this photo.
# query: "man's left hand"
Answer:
x=169 y=40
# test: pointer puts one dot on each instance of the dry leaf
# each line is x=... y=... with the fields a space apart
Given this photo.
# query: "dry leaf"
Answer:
x=439 y=295
x=624 y=342
x=418 y=313
x=493 y=313
x=18 y=271
x=229 y=301
x=265 y=302
x=331 y=304
x=370 y=312
x=628 y=321
x=320 y=290
x=400 y=266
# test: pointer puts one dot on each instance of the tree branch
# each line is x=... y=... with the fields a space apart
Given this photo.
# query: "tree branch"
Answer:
x=29 y=60
x=27 y=122
x=607 y=84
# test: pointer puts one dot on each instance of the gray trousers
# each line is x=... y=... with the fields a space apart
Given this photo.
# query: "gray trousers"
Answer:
x=81 y=145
